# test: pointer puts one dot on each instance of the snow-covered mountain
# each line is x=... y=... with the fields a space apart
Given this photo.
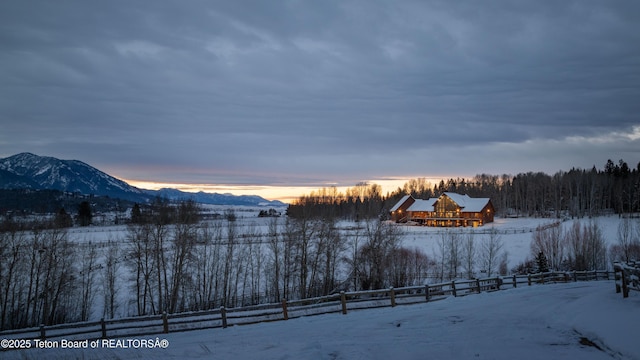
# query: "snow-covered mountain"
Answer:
x=29 y=171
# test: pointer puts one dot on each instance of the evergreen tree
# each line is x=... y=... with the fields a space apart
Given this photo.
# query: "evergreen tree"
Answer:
x=84 y=213
x=136 y=214
x=63 y=220
x=541 y=262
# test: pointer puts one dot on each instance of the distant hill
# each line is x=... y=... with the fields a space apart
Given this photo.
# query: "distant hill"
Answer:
x=29 y=171
x=215 y=198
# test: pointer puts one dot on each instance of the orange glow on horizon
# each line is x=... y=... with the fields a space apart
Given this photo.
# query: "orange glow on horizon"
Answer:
x=286 y=194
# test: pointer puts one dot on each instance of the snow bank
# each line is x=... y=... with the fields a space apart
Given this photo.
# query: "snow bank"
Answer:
x=537 y=322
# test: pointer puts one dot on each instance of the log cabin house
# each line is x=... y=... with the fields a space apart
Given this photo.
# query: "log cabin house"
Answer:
x=447 y=210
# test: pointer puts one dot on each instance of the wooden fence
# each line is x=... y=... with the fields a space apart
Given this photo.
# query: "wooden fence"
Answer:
x=627 y=276
x=336 y=303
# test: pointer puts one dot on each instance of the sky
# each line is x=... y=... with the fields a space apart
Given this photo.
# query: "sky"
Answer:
x=259 y=96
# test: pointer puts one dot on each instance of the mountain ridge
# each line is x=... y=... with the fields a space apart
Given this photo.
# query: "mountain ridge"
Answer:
x=29 y=171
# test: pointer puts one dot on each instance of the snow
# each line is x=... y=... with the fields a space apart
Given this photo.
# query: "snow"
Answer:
x=536 y=322
x=516 y=234
x=399 y=203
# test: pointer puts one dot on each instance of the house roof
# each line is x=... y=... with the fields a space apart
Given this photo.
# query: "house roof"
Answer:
x=468 y=204
x=476 y=205
x=399 y=203
x=422 y=205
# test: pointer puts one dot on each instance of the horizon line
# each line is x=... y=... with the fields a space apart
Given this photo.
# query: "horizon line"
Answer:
x=283 y=193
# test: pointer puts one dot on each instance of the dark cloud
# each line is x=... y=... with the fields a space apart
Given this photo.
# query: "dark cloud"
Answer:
x=277 y=92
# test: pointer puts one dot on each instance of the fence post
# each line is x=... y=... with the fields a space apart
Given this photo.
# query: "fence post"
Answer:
x=453 y=288
x=625 y=287
x=42 y=333
x=478 y=285
x=529 y=279
x=165 y=323
x=426 y=292
x=616 y=278
x=343 y=301
x=285 y=313
x=515 y=281
x=103 y=327
x=223 y=315
x=392 y=293
x=575 y=276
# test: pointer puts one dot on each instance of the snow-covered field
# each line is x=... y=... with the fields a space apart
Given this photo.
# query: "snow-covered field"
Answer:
x=538 y=322
x=515 y=233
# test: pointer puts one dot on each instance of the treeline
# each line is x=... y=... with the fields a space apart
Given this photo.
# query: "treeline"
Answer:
x=19 y=202
x=84 y=214
x=573 y=193
x=363 y=201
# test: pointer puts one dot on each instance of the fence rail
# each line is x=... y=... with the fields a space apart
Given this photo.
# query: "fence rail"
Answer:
x=627 y=277
x=335 y=303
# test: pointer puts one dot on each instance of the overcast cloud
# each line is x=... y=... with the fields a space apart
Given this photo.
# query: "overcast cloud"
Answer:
x=315 y=92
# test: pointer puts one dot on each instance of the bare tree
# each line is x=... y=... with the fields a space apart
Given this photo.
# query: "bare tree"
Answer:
x=184 y=239
x=441 y=256
x=407 y=267
x=454 y=254
x=110 y=288
x=290 y=255
x=625 y=238
x=302 y=231
x=158 y=237
x=450 y=248
x=275 y=245
x=227 y=285
x=587 y=250
x=88 y=269
x=597 y=246
x=207 y=266
x=353 y=260
x=327 y=246
x=490 y=252
x=12 y=269
x=253 y=272
x=503 y=267
x=549 y=241
x=334 y=249
x=55 y=279
x=469 y=255
x=381 y=239
x=142 y=261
